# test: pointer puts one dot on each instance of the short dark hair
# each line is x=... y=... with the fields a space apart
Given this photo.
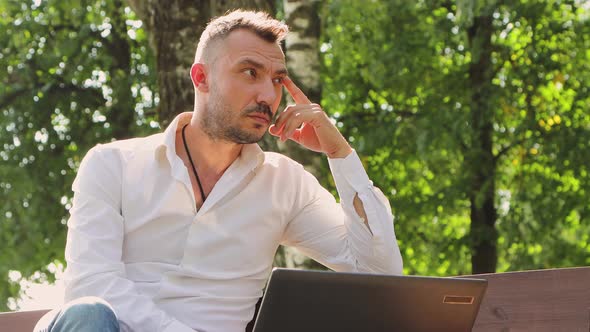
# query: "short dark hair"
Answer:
x=261 y=23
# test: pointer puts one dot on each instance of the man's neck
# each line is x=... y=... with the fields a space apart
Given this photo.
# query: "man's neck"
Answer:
x=210 y=156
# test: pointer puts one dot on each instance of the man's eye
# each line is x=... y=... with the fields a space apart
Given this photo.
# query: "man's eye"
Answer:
x=250 y=72
x=278 y=80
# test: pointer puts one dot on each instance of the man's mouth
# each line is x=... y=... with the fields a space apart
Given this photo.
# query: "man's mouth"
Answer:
x=259 y=117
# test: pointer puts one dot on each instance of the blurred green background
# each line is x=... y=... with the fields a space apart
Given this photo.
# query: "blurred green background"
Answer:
x=472 y=116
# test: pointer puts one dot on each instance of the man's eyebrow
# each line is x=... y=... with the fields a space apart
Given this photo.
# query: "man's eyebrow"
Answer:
x=282 y=71
x=258 y=65
x=252 y=63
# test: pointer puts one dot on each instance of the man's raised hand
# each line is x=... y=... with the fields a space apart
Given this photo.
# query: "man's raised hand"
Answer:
x=307 y=124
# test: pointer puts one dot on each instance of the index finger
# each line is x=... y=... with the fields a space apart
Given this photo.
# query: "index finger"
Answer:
x=298 y=96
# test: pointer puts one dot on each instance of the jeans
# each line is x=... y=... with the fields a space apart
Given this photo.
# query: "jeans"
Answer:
x=86 y=314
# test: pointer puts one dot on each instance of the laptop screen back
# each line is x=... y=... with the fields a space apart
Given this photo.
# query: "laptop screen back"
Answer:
x=297 y=300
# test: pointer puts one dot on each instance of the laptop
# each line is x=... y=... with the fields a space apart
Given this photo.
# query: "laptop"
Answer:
x=314 y=301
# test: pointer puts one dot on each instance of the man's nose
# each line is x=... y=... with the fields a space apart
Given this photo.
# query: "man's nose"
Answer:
x=267 y=93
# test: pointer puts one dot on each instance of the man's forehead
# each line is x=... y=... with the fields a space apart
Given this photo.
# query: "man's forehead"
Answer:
x=246 y=43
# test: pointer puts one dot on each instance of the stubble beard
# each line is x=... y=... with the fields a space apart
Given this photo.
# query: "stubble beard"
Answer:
x=220 y=122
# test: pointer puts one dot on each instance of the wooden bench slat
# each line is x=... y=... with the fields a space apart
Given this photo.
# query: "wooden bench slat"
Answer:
x=541 y=300
x=20 y=321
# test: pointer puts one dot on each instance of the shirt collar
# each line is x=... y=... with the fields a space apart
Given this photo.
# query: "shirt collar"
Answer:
x=251 y=155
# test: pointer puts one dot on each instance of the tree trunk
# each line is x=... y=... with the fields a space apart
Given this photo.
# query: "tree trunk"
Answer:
x=175 y=27
x=480 y=160
x=220 y=7
x=121 y=116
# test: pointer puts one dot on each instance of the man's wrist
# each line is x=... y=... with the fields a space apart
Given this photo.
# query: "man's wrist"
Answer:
x=340 y=153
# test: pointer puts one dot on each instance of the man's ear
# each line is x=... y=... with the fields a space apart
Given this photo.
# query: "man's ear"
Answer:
x=199 y=77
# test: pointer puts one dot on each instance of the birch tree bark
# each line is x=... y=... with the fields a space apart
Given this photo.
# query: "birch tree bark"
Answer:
x=303 y=63
x=302 y=43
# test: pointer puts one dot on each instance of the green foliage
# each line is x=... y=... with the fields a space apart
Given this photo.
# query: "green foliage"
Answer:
x=396 y=79
x=545 y=109
x=73 y=73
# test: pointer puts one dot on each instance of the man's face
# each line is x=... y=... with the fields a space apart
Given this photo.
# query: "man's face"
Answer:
x=245 y=88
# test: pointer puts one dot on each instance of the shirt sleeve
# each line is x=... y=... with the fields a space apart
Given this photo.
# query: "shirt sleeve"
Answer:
x=334 y=234
x=94 y=247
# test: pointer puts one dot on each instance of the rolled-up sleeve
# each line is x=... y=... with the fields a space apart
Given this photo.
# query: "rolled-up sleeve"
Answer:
x=94 y=246
x=334 y=234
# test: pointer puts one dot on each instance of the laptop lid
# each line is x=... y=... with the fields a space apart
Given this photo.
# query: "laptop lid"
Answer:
x=299 y=300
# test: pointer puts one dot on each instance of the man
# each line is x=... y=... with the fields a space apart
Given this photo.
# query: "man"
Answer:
x=177 y=231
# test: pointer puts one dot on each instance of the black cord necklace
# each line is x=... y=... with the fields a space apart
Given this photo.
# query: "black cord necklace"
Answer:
x=192 y=164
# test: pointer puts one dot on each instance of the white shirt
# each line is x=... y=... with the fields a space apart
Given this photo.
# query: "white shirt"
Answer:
x=136 y=239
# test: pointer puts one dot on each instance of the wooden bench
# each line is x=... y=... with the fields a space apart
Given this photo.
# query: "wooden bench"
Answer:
x=22 y=321
x=542 y=300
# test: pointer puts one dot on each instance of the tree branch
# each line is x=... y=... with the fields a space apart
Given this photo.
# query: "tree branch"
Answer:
x=9 y=99
x=508 y=148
